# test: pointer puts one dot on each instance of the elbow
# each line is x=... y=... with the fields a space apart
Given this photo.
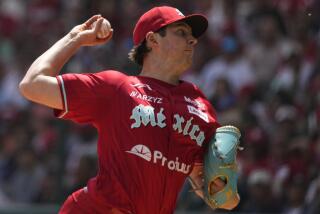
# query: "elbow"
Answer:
x=25 y=89
x=32 y=83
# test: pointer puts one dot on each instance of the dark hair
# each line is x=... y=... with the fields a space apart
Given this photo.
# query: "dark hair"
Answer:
x=138 y=52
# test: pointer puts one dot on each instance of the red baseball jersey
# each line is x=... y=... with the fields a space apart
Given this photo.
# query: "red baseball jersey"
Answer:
x=151 y=134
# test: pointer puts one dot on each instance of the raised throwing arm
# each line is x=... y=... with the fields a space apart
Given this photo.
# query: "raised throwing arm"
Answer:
x=39 y=83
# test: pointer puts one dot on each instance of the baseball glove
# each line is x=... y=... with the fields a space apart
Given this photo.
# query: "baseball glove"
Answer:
x=220 y=162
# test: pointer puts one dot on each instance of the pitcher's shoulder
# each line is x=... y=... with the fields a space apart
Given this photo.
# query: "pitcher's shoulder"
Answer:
x=112 y=73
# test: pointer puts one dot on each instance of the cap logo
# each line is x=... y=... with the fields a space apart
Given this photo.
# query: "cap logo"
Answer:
x=179 y=13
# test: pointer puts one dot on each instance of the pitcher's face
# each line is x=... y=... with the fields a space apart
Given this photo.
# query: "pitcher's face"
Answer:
x=178 y=44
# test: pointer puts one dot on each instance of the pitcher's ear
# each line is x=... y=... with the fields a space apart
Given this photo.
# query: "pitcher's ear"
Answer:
x=151 y=39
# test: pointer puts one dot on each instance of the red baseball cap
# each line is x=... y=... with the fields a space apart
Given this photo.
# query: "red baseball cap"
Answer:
x=159 y=17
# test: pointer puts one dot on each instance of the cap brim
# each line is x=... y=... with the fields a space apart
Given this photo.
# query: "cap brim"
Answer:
x=197 y=22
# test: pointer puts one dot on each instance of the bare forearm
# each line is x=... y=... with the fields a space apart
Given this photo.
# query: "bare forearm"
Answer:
x=39 y=84
x=51 y=62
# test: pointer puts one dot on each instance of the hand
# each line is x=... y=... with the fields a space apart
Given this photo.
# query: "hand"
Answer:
x=217 y=185
x=197 y=182
x=86 y=35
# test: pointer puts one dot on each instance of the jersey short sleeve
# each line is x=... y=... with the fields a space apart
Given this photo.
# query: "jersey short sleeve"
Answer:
x=85 y=96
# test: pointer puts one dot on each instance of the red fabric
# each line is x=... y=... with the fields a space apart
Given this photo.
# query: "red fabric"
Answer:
x=143 y=159
x=72 y=204
x=159 y=17
x=80 y=202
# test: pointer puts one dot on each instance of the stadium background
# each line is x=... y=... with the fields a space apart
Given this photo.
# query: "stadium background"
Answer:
x=259 y=64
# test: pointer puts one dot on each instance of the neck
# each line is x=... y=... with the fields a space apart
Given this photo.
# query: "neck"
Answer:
x=162 y=71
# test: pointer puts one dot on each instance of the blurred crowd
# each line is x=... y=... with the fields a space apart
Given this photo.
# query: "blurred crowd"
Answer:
x=258 y=64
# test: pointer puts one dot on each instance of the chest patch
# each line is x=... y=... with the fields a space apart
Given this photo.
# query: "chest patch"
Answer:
x=199 y=113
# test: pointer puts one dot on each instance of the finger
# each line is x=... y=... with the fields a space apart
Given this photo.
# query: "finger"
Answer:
x=90 y=21
x=101 y=41
x=98 y=25
x=219 y=182
x=214 y=188
x=217 y=185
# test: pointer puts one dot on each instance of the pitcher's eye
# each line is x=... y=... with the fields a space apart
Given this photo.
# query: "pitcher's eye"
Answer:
x=182 y=32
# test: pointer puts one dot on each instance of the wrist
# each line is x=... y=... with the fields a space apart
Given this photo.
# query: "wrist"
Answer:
x=73 y=39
